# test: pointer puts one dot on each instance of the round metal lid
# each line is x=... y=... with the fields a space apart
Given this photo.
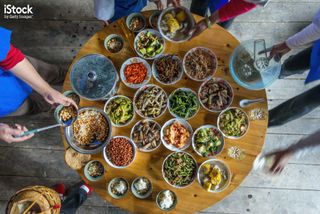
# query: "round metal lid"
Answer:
x=251 y=68
x=93 y=77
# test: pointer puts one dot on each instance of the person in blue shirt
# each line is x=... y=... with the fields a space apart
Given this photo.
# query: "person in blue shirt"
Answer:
x=22 y=89
x=112 y=10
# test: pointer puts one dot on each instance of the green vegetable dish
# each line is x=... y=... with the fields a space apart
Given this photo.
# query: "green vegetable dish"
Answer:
x=233 y=122
x=149 y=45
x=208 y=141
x=120 y=110
x=179 y=169
x=183 y=103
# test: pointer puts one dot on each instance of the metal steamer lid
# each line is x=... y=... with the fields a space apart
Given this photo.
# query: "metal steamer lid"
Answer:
x=93 y=77
x=251 y=67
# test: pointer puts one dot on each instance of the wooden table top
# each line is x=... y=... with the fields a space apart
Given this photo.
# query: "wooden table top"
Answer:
x=193 y=198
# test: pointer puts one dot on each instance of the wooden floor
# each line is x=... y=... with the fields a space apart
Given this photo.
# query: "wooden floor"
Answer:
x=57 y=32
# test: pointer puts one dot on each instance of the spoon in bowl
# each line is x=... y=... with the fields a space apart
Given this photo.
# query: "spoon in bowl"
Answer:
x=245 y=102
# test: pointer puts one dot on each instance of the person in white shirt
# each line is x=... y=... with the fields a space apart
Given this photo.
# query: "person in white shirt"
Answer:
x=307 y=59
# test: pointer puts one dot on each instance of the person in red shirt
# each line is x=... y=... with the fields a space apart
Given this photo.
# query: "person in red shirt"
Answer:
x=23 y=90
x=222 y=12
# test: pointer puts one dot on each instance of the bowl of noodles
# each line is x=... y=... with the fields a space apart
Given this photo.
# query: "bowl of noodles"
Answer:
x=90 y=132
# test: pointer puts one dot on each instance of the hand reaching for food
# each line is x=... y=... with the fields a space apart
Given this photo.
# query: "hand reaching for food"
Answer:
x=280 y=161
x=279 y=50
x=54 y=97
x=7 y=133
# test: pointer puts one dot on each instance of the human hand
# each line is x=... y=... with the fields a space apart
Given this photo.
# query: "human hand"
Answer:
x=54 y=97
x=281 y=159
x=158 y=4
x=198 y=28
x=8 y=133
x=175 y=3
x=279 y=50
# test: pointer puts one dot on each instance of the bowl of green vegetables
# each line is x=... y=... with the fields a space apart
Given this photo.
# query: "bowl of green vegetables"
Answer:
x=207 y=141
x=149 y=44
x=120 y=110
x=183 y=103
x=179 y=169
x=233 y=123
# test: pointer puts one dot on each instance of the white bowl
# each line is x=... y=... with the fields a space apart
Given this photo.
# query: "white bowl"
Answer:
x=169 y=146
x=216 y=79
x=129 y=62
x=111 y=99
x=131 y=135
x=138 y=92
x=183 y=89
x=155 y=32
x=194 y=143
x=222 y=165
x=155 y=72
x=113 y=165
x=206 y=50
x=233 y=137
x=194 y=176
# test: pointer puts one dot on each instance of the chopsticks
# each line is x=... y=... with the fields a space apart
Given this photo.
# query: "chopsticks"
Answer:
x=28 y=208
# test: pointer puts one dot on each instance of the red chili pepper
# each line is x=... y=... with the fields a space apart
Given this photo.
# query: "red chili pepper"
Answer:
x=135 y=73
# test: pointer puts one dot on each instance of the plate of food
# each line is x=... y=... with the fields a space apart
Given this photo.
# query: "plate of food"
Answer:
x=179 y=169
x=200 y=63
x=120 y=152
x=175 y=23
x=118 y=188
x=183 y=103
x=149 y=44
x=90 y=132
x=146 y=135
x=150 y=101
x=233 y=123
x=167 y=69
x=94 y=170
x=141 y=187
x=214 y=175
x=120 y=110
x=114 y=43
x=176 y=134
x=166 y=200
x=215 y=94
x=207 y=141
x=135 y=72
x=136 y=22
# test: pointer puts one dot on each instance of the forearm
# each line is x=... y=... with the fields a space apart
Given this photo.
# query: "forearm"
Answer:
x=25 y=71
x=307 y=145
x=234 y=9
x=308 y=35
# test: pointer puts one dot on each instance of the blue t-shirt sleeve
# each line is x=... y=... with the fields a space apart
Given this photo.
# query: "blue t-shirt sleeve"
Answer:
x=215 y=5
x=5 y=36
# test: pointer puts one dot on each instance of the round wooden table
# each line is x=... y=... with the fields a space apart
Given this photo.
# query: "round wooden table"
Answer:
x=191 y=199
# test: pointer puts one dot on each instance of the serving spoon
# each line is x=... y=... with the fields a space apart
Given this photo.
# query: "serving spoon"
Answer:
x=245 y=102
x=34 y=131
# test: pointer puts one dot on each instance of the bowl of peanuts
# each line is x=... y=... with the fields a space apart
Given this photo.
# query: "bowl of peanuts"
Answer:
x=119 y=152
x=90 y=132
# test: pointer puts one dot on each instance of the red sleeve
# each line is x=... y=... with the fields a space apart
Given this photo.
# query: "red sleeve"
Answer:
x=13 y=57
x=234 y=8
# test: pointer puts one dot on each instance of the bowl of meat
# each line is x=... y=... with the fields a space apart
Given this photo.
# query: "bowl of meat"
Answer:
x=200 y=63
